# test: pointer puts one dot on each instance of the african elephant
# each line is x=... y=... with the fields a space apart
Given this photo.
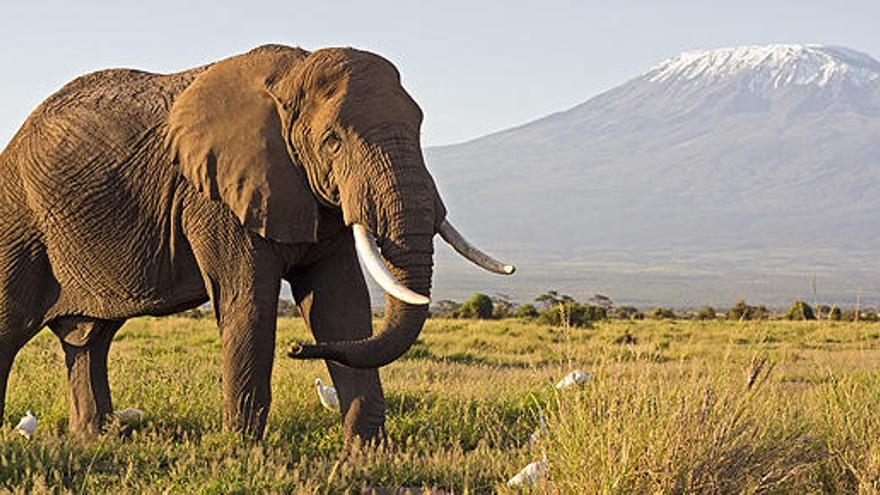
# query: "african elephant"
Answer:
x=128 y=193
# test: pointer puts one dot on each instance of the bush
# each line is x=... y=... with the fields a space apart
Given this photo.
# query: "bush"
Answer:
x=525 y=311
x=706 y=313
x=663 y=314
x=479 y=306
x=572 y=313
x=628 y=313
x=800 y=311
x=742 y=311
x=835 y=314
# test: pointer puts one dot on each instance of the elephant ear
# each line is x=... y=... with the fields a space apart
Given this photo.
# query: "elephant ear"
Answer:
x=226 y=134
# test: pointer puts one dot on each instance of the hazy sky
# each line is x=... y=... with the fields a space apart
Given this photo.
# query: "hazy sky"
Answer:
x=474 y=67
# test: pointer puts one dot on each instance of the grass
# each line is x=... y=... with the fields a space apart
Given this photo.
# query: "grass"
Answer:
x=676 y=407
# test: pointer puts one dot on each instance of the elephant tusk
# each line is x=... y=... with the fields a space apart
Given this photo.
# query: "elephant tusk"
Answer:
x=369 y=254
x=477 y=257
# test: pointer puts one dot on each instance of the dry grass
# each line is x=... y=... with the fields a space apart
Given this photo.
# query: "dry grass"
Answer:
x=681 y=407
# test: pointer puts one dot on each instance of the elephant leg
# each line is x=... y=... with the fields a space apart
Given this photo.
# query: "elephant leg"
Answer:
x=242 y=274
x=5 y=368
x=244 y=285
x=334 y=301
x=247 y=329
x=86 y=343
x=26 y=286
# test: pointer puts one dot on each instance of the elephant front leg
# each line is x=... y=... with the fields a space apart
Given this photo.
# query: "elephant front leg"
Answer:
x=334 y=301
x=86 y=344
x=247 y=329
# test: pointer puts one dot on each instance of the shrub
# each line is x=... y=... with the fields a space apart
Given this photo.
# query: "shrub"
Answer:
x=706 y=313
x=742 y=311
x=835 y=314
x=479 y=306
x=663 y=313
x=572 y=313
x=525 y=311
x=628 y=313
x=800 y=311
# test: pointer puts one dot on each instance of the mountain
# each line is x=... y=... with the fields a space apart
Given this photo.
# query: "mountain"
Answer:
x=747 y=172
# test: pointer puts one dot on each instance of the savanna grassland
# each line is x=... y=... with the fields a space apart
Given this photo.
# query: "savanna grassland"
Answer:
x=676 y=407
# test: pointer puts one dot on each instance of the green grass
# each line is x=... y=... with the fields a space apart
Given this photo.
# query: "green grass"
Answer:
x=673 y=412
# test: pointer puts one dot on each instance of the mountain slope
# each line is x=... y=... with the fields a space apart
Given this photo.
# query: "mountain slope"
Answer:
x=715 y=168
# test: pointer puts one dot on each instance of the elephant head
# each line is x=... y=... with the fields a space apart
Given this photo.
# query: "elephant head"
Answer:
x=277 y=131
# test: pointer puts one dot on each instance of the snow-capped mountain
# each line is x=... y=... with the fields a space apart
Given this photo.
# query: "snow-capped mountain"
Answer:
x=736 y=172
x=767 y=68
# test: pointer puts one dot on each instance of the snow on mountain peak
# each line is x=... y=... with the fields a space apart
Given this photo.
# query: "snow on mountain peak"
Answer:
x=769 y=66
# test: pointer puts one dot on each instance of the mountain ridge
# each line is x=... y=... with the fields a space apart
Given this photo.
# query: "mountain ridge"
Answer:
x=721 y=166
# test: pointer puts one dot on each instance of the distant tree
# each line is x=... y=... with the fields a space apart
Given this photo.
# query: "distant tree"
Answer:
x=572 y=313
x=761 y=312
x=479 y=306
x=823 y=311
x=628 y=313
x=742 y=311
x=553 y=298
x=705 y=313
x=663 y=313
x=601 y=301
x=835 y=314
x=525 y=311
x=800 y=311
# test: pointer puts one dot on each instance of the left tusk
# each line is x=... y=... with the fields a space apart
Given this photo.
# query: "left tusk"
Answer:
x=466 y=249
x=369 y=254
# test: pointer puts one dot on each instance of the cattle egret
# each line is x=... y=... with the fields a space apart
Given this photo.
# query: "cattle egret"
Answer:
x=531 y=474
x=540 y=431
x=27 y=426
x=327 y=395
x=576 y=377
x=129 y=415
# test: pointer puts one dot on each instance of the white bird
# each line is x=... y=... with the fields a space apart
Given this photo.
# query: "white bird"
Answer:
x=327 y=395
x=540 y=431
x=27 y=426
x=129 y=415
x=576 y=377
x=530 y=475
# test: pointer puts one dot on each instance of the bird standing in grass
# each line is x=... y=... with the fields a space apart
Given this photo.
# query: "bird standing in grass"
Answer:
x=530 y=475
x=327 y=395
x=576 y=377
x=27 y=426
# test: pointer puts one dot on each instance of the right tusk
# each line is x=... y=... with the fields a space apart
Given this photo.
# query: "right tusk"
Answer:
x=369 y=254
x=477 y=257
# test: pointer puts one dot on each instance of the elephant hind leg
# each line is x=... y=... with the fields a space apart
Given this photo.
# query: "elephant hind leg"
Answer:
x=5 y=368
x=86 y=343
x=10 y=343
x=27 y=289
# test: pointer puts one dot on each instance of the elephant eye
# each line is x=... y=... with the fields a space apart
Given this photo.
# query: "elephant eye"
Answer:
x=332 y=142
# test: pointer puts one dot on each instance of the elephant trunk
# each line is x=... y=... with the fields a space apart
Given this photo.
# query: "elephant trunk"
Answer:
x=400 y=329
x=405 y=218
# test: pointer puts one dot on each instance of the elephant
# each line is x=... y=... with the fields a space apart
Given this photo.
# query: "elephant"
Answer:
x=129 y=193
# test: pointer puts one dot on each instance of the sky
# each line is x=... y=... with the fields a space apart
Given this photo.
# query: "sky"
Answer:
x=475 y=67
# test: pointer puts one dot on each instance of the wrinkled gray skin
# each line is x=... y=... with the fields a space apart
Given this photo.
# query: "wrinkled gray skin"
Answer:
x=129 y=193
